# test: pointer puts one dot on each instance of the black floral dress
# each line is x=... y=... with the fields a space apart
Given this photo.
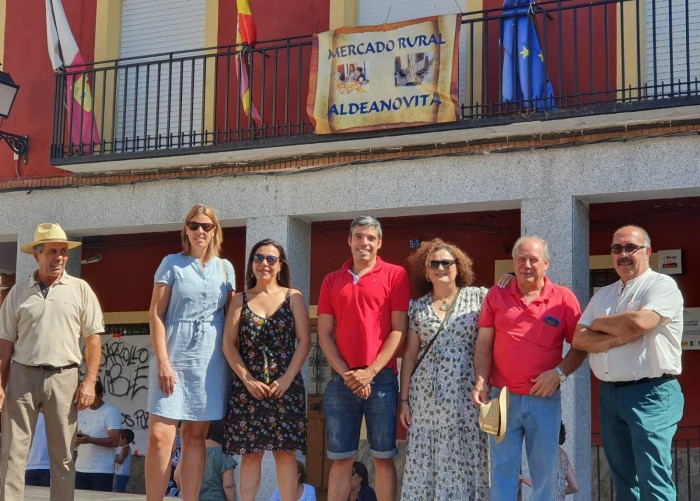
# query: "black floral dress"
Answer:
x=266 y=346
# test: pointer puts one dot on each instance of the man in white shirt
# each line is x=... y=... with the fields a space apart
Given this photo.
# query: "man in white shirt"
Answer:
x=98 y=435
x=633 y=331
x=38 y=465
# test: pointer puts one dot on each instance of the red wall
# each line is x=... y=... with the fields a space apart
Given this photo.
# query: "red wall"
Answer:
x=274 y=20
x=27 y=60
x=123 y=279
x=572 y=55
x=484 y=236
x=671 y=224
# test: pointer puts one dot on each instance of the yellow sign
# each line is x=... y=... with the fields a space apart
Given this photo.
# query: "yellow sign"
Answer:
x=385 y=76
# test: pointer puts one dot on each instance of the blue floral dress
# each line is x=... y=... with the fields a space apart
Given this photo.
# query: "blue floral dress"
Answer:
x=266 y=346
x=194 y=326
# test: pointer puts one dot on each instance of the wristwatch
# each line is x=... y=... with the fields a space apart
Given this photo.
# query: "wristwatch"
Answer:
x=562 y=374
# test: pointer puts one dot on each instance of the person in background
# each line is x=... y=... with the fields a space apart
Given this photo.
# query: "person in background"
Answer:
x=122 y=460
x=266 y=341
x=38 y=465
x=218 y=482
x=566 y=478
x=98 y=435
x=305 y=492
x=360 y=489
x=188 y=372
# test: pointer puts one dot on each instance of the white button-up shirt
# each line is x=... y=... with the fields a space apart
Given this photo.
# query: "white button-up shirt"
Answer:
x=658 y=351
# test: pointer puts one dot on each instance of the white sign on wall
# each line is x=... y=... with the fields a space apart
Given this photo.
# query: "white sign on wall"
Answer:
x=691 y=329
x=670 y=262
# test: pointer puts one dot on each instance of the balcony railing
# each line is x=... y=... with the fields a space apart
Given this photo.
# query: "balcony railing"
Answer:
x=686 y=466
x=601 y=56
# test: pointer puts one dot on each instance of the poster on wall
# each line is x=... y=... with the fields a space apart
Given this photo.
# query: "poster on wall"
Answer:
x=385 y=76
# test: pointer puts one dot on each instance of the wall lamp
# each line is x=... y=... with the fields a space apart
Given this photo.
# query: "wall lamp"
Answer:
x=8 y=92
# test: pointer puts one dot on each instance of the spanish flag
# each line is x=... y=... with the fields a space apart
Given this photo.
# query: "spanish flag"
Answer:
x=64 y=51
x=246 y=37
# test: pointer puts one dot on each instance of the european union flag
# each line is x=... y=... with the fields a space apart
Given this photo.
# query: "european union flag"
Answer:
x=525 y=80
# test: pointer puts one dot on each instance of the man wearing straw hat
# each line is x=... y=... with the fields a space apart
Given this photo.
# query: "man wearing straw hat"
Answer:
x=522 y=329
x=41 y=323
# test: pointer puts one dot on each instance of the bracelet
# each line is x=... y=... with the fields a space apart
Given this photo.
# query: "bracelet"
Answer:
x=404 y=401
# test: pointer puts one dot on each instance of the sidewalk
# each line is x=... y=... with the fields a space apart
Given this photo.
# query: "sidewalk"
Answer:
x=41 y=493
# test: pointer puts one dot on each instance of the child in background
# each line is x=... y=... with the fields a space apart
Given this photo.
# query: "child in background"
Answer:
x=122 y=459
x=566 y=479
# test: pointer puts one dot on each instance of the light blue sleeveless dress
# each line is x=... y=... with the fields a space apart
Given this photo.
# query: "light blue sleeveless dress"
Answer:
x=194 y=325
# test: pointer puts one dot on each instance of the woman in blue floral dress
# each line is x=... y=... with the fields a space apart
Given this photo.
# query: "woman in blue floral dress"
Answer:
x=266 y=340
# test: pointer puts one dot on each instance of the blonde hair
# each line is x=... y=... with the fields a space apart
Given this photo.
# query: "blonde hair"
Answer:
x=214 y=248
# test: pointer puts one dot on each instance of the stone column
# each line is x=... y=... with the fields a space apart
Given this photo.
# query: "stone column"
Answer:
x=295 y=237
x=563 y=223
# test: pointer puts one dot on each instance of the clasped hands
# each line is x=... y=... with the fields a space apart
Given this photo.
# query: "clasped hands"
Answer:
x=261 y=391
x=359 y=380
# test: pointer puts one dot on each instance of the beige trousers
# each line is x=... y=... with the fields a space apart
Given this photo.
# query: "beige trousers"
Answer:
x=28 y=391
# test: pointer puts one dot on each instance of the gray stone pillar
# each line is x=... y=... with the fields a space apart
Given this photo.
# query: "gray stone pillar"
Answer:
x=295 y=237
x=563 y=223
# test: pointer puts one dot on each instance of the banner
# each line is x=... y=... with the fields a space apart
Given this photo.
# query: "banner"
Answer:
x=385 y=76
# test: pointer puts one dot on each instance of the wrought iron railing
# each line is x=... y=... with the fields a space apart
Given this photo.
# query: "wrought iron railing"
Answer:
x=686 y=466
x=600 y=56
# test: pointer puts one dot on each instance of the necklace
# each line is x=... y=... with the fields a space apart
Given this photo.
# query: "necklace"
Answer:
x=445 y=305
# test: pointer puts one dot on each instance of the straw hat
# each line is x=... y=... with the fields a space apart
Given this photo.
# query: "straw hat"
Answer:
x=46 y=233
x=492 y=415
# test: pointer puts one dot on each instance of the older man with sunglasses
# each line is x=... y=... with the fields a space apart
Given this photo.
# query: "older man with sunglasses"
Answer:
x=633 y=331
x=522 y=329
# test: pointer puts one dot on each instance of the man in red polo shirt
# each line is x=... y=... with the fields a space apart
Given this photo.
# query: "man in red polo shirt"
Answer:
x=522 y=329
x=365 y=303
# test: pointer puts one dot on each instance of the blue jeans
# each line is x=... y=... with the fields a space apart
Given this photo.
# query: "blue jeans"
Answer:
x=344 y=411
x=536 y=420
x=120 y=482
x=637 y=424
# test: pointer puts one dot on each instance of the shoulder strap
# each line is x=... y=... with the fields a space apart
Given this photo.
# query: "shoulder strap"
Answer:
x=440 y=329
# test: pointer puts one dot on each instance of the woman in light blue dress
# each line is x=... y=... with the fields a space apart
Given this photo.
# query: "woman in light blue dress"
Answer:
x=188 y=374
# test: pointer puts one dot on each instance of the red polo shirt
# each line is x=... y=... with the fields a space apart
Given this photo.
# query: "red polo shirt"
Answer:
x=362 y=310
x=528 y=337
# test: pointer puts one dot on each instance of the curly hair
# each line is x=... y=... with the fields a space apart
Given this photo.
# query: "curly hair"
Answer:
x=418 y=265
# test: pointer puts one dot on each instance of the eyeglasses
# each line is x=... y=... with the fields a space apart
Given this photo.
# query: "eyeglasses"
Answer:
x=445 y=263
x=194 y=226
x=629 y=248
x=271 y=260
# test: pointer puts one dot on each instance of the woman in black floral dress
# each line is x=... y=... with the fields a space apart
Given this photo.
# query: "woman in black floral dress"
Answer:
x=266 y=340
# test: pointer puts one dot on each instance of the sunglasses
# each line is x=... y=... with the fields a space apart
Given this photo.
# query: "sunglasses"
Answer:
x=194 y=226
x=445 y=263
x=629 y=248
x=271 y=260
